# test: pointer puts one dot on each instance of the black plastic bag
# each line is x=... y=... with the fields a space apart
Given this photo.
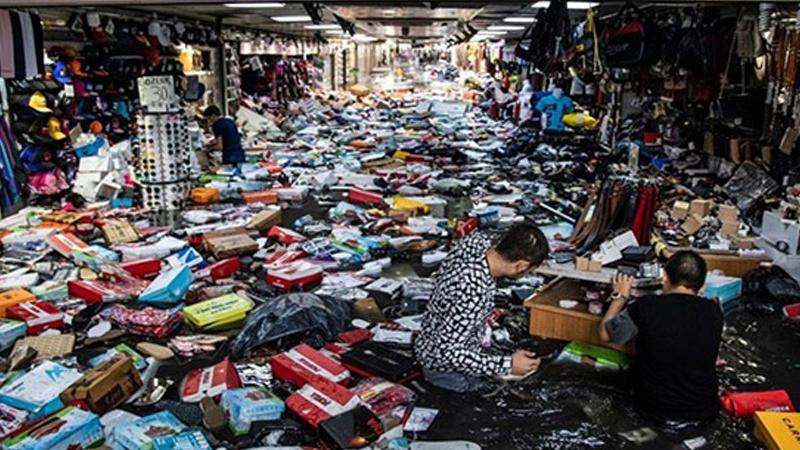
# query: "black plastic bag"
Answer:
x=306 y=317
x=768 y=284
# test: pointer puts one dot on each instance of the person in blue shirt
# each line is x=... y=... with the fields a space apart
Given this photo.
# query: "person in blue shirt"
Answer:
x=554 y=106
x=226 y=137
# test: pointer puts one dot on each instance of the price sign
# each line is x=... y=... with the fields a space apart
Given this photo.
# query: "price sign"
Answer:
x=157 y=93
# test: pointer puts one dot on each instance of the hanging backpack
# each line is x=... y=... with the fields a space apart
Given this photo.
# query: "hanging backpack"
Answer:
x=633 y=42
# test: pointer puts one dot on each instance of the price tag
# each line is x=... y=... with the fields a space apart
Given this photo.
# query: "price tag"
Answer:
x=69 y=90
x=157 y=93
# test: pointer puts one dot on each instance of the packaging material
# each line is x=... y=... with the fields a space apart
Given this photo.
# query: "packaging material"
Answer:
x=11 y=420
x=106 y=386
x=120 y=350
x=321 y=399
x=225 y=268
x=119 y=232
x=385 y=291
x=359 y=90
x=141 y=433
x=232 y=245
x=792 y=311
x=373 y=359
x=14 y=297
x=143 y=268
x=265 y=219
x=266 y=197
x=303 y=364
x=745 y=404
x=680 y=210
x=588 y=265
x=10 y=331
x=250 y=404
x=148 y=321
x=169 y=288
x=218 y=313
x=68 y=429
x=37 y=315
x=38 y=390
x=601 y=358
x=295 y=276
x=778 y=430
x=48 y=347
x=722 y=287
x=701 y=207
x=209 y=381
x=356 y=428
x=285 y=235
x=187 y=440
x=728 y=213
x=391 y=402
x=692 y=224
x=205 y=195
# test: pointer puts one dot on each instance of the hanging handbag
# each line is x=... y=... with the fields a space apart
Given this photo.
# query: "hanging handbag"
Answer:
x=633 y=42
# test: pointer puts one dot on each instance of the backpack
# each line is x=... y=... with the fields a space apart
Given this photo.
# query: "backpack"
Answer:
x=632 y=42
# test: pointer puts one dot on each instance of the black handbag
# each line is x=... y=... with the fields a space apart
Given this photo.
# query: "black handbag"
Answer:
x=633 y=42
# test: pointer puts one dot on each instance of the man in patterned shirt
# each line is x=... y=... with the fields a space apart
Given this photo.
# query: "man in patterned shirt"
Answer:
x=449 y=346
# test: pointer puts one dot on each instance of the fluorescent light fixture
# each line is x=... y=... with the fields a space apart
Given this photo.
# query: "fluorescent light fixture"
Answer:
x=256 y=5
x=389 y=12
x=506 y=28
x=492 y=33
x=323 y=26
x=358 y=37
x=570 y=5
x=334 y=31
x=520 y=19
x=286 y=19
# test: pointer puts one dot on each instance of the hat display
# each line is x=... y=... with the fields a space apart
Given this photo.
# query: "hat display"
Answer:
x=54 y=129
x=61 y=74
x=38 y=102
x=96 y=127
x=76 y=68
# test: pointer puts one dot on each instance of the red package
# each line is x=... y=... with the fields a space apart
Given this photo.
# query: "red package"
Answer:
x=792 y=311
x=282 y=257
x=142 y=268
x=225 y=268
x=38 y=315
x=364 y=197
x=745 y=404
x=302 y=364
x=210 y=381
x=285 y=235
x=467 y=227
x=321 y=399
x=355 y=336
x=298 y=275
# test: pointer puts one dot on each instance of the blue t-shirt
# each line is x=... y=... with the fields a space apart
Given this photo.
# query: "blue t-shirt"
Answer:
x=555 y=108
x=232 y=151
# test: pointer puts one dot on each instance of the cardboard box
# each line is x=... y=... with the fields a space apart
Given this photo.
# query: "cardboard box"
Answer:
x=266 y=197
x=232 y=245
x=692 y=224
x=588 y=265
x=549 y=320
x=729 y=228
x=264 y=220
x=728 y=213
x=218 y=312
x=10 y=331
x=38 y=390
x=209 y=381
x=11 y=420
x=303 y=364
x=778 y=430
x=205 y=196
x=359 y=90
x=701 y=207
x=70 y=428
x=140 y=434
x=680 y=210
x=250 y=404
x=106 y=386
x=119 y=232
x=14 y=297
x=37 y=315
x=320 y=400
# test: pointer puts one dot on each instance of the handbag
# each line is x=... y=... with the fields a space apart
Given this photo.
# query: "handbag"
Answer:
x=633 y=42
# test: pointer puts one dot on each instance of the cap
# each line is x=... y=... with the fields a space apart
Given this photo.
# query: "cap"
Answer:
x=54 y=129
x=60 y=73
x=36 y=159
x=96 y=127
x=38 y=102
x=152 y=55
x=70 y=52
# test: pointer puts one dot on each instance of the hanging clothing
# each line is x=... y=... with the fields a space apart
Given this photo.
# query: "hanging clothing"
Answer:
x=555 y=108
x=21 y=45
x=28 y=43
x=19 y=50
x=6 y=45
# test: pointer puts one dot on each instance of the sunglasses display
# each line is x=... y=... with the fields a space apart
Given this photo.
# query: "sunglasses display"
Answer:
x=163 y=162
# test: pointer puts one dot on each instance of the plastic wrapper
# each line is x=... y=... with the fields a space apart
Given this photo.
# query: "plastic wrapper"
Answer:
x=748 y=184
x=389 y=401
x=315 y=319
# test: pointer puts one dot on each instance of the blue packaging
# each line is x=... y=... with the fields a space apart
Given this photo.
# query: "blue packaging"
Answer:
x=251 y=404
x=75 y=428
x=141 y=434
x=10 y=331
x=188 y=440
x=169 y=288
x=725 y=288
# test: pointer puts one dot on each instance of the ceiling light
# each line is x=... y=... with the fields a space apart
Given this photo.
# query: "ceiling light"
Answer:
x=506 y=28
x=358 y=37
x=492 y=33
x=323 y=26
x=390 y=12
x=334 y=32
x=570 y=5
x=286 y=19
x=520 y=19
x=256 y=5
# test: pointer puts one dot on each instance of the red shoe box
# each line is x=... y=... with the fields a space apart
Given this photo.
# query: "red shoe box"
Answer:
x=365 y=198
x=320 y=400
x=225 y=268
x=143 y=268
x=38 y=315
x=303 y=364
x=298 y=275
x=285 y=235
x=283 y=257
x=209 y=381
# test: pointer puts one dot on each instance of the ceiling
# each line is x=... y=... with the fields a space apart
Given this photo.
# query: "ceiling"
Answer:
x=409 y=20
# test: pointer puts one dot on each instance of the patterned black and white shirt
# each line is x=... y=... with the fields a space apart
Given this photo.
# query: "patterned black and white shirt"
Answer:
x=455 y=322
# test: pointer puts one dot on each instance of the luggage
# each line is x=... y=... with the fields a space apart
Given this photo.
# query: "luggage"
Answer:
x=374 y=359
x=303 y=364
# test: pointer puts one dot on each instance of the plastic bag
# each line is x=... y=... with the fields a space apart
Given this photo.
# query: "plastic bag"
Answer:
x=749 y=183
x=771 y=284
x=315 y=320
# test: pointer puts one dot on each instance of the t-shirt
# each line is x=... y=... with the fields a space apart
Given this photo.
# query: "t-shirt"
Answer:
x=677 y=343
x=232 y=151
x=555 y=108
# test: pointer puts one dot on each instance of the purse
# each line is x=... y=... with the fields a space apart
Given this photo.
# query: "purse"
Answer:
x=632 y=43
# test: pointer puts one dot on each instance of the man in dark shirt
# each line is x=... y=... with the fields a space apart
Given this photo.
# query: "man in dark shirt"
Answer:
x=451 y=344
x=677 y=337
x=226 y=136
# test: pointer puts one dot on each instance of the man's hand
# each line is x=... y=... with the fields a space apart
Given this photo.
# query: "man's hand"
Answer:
x=524 y=362
x=623 y=284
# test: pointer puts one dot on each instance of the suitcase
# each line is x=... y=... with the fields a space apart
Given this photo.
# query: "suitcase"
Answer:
x=372 y=359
